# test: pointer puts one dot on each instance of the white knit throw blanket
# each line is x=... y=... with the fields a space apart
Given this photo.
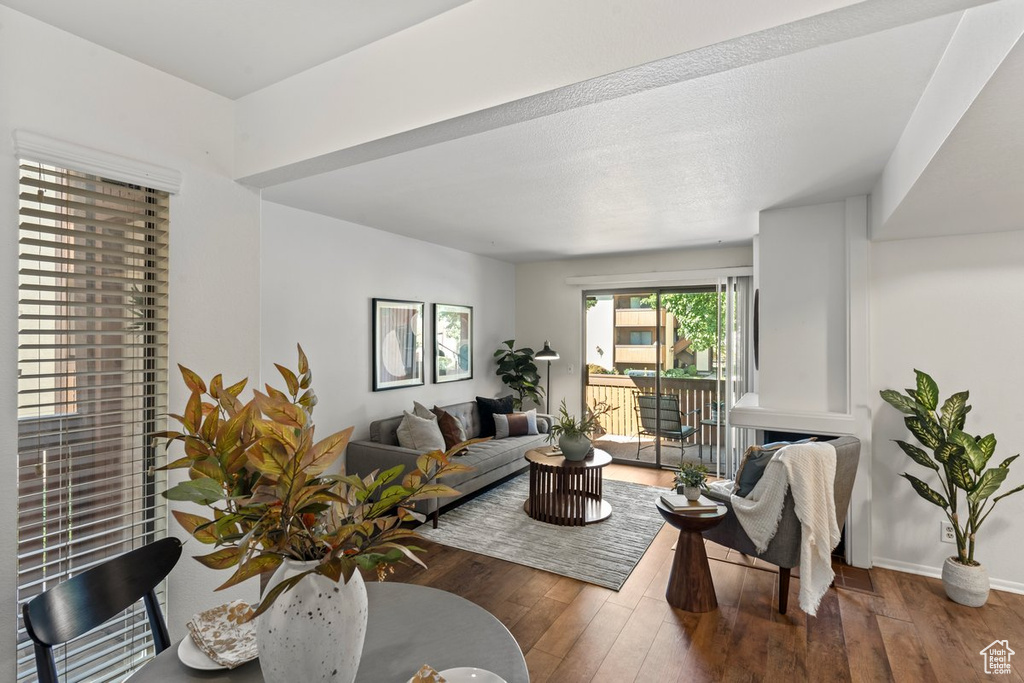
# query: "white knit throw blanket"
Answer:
x=809 y=471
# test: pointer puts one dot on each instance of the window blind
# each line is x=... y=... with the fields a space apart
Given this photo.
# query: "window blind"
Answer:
x=92 y=376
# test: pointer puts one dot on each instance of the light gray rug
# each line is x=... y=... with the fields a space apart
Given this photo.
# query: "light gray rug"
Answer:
x=604 y=553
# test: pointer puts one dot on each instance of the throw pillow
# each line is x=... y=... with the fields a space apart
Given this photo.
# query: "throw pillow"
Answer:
x=420 y=410
x=488 y=407
x=515 y=424
x=451 y=428
x=754 y=462
x=420 y=434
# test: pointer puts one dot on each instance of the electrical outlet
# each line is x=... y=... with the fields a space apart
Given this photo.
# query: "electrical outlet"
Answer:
x=946 y=533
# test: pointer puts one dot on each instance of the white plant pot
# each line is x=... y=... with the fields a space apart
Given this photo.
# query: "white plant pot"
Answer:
x=315 y=631
x=691 y=492
x=965 y=585
x=574 y=448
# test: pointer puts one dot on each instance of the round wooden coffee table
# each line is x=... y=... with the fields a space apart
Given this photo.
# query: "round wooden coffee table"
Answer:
x=567 y=492
x=690 y=586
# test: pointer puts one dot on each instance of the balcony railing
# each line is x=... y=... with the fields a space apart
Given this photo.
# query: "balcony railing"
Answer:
x=619 y=390
x=636 y=317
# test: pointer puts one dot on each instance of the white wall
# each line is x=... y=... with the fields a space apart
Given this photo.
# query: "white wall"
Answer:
x=548 y=308
x=953 y=307
x=803 y=289
x=318 y=276
x=60 y=86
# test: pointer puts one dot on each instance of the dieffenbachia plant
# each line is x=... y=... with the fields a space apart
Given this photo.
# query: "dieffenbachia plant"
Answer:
x=958 y=459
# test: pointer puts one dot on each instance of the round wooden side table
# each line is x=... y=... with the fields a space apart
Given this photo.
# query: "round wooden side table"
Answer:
x=690 y=586
x=567 y=492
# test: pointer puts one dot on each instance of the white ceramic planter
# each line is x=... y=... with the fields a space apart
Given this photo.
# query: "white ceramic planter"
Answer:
x=965 y=585
x=574 y=448
x=691 y=492
x=315 y=631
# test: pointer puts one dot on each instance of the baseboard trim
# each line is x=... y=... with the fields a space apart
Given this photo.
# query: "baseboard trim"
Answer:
x=936 y=573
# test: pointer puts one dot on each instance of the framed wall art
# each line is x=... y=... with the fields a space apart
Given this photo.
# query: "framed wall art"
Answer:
x=397 y=344
x=453 y=343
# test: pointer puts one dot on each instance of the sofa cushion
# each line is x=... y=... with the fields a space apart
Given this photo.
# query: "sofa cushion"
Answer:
x=451 y=428
x=420 y=410
x=488 y=407
x=515 y=424
x=420 y=434
x=490 y=455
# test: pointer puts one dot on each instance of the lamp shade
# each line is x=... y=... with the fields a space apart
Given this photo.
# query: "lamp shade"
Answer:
x=547 y=353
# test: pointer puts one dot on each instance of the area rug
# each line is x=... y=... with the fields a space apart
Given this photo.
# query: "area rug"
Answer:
x=604 y=553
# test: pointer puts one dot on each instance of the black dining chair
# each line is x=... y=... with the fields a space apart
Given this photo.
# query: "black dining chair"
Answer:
x=89 y=599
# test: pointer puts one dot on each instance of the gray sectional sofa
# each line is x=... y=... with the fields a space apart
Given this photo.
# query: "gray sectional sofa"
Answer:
x=491 y=460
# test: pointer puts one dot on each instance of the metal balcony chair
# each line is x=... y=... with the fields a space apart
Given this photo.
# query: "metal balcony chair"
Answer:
x=89 y=599
x=672 y=426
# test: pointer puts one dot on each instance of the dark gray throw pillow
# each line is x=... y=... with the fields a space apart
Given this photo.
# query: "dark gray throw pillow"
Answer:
x=755 y=460
x=488 y=407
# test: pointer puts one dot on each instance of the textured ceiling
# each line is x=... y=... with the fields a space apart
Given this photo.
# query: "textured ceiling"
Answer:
x=232 y=47
x=685 y=164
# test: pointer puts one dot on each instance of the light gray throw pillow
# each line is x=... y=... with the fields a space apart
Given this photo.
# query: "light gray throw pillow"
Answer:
x=420 y=434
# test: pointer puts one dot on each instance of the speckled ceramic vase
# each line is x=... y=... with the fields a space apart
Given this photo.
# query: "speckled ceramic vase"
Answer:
x=965 y=585
x=315 y=631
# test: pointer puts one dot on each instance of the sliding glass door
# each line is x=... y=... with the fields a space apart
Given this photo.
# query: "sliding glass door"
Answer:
x=670 y=362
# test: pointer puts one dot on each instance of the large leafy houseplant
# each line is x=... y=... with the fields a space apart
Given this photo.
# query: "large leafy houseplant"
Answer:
x=958 y=459
x=519 y=372
x=262 y=473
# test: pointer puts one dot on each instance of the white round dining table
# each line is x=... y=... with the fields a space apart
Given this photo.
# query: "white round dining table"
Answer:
x=408 y=626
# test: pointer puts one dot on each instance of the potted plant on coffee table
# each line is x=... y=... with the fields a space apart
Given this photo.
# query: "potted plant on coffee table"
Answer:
x=276 y=509
x=690 y=477
x=966 y=484
x=574 y=435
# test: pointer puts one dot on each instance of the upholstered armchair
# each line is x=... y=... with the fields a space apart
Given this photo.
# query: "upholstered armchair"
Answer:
x=784 y=549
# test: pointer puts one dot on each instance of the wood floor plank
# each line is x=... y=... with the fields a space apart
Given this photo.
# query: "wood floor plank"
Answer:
x=709 y=652
x=728 y=580
x=640 y=579
x=826 y=647
x=630 y=648
x=541 y=665
x=564 y=631
x=748 y=646
x=905 y=651
x=865 y=649
x=787 y=641
x=891 y=605
x=933 y=615
x=533 y=624
x=588 y=652
x=566 y=589
x=534 y=589
x=666 y=660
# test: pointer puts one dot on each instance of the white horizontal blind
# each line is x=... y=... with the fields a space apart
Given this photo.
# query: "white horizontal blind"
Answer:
x=92 y=388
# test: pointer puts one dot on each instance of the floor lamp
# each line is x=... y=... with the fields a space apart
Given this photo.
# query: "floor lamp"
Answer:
x=548 y=354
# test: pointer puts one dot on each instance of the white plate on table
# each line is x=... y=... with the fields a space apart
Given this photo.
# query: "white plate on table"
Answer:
x=194 y=658
x=470 y=674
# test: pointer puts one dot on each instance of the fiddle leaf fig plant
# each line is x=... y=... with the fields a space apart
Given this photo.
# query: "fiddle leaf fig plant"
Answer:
x=960 y=461
x=519 y=372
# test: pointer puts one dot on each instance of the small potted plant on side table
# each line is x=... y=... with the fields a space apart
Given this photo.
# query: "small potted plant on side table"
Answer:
x=689 y=479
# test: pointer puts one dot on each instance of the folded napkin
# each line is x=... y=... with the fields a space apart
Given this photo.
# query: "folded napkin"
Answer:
x=427 y=674
x=224 y=634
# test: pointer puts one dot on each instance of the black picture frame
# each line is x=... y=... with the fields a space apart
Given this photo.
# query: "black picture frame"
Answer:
x=397 y=330
x=453 y=343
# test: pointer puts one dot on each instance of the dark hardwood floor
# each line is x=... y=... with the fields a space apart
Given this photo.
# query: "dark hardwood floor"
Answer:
x=876 y=625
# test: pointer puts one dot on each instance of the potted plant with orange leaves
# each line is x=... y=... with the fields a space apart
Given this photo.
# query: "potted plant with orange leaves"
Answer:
x=277 y=508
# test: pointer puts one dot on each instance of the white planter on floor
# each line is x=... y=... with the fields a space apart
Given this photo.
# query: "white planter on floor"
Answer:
x=965 y=585
x=315 y=631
